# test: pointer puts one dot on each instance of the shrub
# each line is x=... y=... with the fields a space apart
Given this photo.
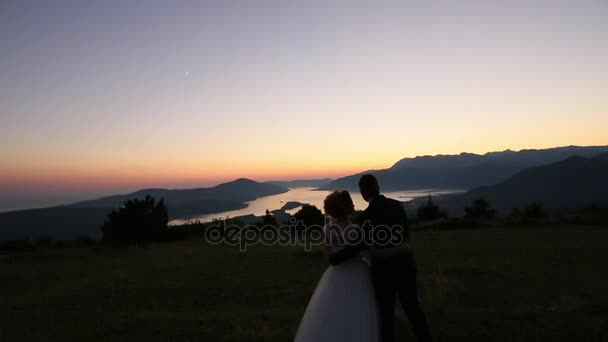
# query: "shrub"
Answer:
x=85 y=241
x=516 y=212
x=14 y=246
x=534 y=210
x=136 y=222
x=45 y=242
x=430 y=211
x=310 y=216
x=480 y=208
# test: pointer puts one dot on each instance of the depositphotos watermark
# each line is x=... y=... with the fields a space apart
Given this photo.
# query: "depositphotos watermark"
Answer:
x=296 y=233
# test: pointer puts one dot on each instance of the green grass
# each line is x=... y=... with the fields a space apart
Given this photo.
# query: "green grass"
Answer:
x=533 y=284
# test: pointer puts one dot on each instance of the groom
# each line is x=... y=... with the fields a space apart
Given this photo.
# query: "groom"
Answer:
x=393 y=267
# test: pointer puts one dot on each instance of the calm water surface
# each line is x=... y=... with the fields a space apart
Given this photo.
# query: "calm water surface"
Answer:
x=304 y=195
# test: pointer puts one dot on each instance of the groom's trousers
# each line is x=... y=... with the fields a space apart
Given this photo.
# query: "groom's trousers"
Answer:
x=392 y=277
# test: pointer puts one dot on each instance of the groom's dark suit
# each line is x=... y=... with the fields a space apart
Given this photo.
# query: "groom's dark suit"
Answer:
x=394 y=275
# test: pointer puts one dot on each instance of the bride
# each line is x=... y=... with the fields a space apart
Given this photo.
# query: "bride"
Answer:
x=343 y=306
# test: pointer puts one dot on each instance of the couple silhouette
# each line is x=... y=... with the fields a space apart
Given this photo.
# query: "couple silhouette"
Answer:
x=355 y=298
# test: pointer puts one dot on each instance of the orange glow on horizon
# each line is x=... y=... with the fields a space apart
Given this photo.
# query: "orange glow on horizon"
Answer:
x=143 y=174
x=68 y=179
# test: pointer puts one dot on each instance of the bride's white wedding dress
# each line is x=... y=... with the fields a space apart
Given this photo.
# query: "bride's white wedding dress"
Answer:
x=342 y=307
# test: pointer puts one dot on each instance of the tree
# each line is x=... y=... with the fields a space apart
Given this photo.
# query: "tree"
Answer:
x=515 y=212
x=430 y=211
x=534 y=210
x=311 y=218
x=137 y=221
x=310 y=215
x=480 y=209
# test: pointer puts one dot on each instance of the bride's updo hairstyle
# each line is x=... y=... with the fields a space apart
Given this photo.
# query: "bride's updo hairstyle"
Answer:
x=338 y=204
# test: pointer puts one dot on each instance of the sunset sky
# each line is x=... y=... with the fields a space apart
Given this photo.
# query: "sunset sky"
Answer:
x=104 y=96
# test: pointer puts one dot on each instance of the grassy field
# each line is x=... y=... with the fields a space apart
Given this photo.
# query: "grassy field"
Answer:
x=519 y=284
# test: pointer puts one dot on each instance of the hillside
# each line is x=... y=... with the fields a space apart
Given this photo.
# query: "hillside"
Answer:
x=85 y=218
x=602 y=157
x=465 y=170
x=499 y=285
x=59 y=223
x=240 y=190
x=568 y=184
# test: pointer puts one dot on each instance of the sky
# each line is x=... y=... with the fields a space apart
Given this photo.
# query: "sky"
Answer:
x=98 y=97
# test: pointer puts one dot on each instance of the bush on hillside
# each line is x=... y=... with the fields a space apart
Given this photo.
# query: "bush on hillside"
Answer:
x=430 y=211
x=480 y=208
x=137 y=222
x=310 y=216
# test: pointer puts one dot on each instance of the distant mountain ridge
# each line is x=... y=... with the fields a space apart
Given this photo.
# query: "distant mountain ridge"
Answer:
x=85 y=218
x=464 y=171
x=573 y=183
x=240 y=190
x=559 y=177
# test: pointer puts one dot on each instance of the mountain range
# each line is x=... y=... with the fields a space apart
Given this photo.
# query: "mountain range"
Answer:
x=85 y=218
x=575 y=182
x=463 y=171
x=563 y=177
x=229 y=194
